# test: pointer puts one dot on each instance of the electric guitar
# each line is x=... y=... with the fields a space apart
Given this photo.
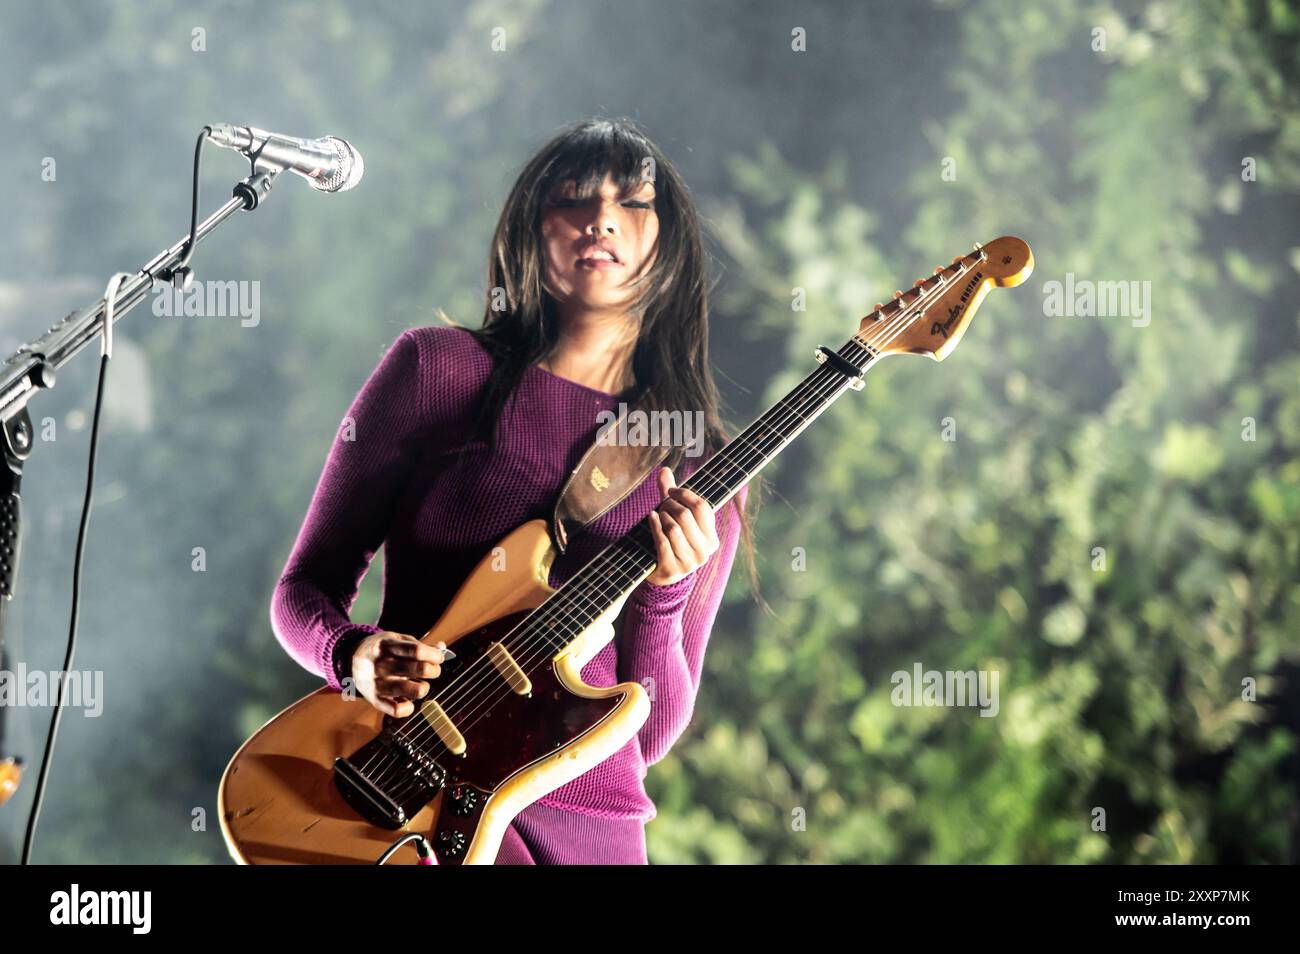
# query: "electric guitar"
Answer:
x=333 y=780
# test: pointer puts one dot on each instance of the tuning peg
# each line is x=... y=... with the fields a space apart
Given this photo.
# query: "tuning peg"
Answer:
x=879 y=305
x=977 y=246
x=898 y=294
x=938 y=269
x=957 y=260
x=918 y=283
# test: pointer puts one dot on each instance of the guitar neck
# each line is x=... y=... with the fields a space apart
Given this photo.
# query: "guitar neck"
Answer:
x=622 y=565
x=731 y=468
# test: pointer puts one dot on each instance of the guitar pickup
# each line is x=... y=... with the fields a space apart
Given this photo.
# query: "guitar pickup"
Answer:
x=445 y=729
x=509 y=670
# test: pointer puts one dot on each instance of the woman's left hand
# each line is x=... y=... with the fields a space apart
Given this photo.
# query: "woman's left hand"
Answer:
x=684 y=530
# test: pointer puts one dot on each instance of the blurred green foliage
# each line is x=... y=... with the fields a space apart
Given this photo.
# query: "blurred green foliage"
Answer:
x=1104 y=532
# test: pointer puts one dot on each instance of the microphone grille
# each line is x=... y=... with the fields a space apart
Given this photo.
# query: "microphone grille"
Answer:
x=347 y=171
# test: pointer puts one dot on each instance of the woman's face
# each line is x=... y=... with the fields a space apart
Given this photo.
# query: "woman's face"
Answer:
x=578 y=239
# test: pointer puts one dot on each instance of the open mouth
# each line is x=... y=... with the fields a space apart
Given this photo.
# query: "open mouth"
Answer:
x=598 y=255
x=599 y=260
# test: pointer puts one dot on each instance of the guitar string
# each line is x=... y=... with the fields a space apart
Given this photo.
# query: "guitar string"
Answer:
x=894 y=326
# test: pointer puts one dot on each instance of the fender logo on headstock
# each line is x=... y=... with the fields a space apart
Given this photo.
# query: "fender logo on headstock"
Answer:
x=942 y=328
x=955 y=312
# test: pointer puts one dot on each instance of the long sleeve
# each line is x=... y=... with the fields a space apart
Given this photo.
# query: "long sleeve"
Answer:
x=372 y=454
x=665 y=632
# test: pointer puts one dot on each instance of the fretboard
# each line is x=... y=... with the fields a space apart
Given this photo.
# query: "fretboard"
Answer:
x=623 y=564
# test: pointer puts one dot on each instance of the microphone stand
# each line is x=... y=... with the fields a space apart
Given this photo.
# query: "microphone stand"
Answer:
x=31 y=369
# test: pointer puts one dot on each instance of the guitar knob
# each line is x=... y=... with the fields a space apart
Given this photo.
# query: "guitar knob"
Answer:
x=463 y=800
x=451 y=844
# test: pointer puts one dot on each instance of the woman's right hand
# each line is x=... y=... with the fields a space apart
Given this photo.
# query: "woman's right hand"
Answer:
x=389 y=669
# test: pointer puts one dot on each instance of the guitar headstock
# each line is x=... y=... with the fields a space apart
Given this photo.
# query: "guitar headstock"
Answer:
x=931 y=316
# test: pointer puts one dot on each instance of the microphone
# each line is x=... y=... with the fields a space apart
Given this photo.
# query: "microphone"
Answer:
x=329 y=165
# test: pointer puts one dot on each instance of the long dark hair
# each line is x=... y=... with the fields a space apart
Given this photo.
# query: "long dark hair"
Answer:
x=670 y=361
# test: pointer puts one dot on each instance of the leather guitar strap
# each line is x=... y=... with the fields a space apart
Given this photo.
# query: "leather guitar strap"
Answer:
x=607 y=473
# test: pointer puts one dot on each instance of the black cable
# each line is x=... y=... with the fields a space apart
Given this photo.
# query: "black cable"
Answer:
x=194 y=204
x=76 y=608
x=79 y=556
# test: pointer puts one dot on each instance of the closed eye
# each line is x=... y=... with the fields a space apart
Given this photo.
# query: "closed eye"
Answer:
x=570 y=203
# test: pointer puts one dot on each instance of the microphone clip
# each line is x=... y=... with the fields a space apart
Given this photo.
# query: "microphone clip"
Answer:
x=255 y=187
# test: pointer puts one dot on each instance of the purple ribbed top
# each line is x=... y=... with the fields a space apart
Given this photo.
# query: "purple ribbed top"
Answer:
x=391 y=479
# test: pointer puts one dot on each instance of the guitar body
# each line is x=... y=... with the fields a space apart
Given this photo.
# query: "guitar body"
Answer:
x=279 y=802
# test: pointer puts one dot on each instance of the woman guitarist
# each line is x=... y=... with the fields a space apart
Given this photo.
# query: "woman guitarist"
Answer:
x=597 y=295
